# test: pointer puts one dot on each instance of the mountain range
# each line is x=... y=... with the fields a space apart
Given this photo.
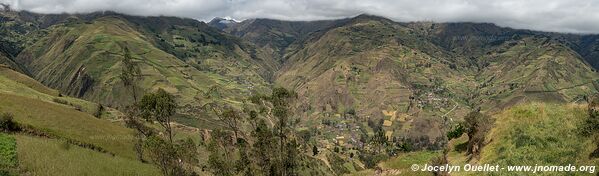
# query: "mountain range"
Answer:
x=419 y=76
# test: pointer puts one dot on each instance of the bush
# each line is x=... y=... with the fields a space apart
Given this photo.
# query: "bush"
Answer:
x=456 y=132
x=351 y=111
x=372 y=159
x=7 y=124
x=99 y=111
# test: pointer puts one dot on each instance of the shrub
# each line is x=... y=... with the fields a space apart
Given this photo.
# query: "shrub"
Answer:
x=7 y=124
x=372 y=159
x=351 y=111
x=99 y=111
x=455 y=132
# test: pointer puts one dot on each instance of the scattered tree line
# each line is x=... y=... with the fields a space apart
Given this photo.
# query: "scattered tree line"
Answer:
x=173 y=157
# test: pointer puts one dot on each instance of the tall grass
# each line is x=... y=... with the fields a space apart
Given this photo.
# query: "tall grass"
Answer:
x=49 y=157
x=539 y=134
x=68 y=123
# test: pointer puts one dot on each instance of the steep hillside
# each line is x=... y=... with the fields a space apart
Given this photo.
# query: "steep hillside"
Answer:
x=587 y=46
x=66 y=130
x=517 y=64
x=537 y=69
x=204 y=47
x=422 y=73
x=9 y=62
x=371 y=65
x=467 y=39
x=366 y=86
x=84 y=59
x=275 y=38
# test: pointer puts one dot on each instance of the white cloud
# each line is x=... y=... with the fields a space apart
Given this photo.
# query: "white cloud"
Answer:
x=546 y=15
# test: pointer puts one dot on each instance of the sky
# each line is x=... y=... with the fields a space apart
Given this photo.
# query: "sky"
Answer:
x=570 y=16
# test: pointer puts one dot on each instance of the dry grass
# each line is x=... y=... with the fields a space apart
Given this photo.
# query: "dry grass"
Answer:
x=25 y=80
x=68 y=123
x=48 y=157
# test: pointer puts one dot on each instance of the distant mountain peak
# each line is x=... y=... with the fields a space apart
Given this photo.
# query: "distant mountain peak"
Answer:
x=222 y=22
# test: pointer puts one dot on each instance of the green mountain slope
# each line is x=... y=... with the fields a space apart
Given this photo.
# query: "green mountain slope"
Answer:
x=537 y=69
x=275 y=38
x=51 y=120
x=9 y=62
x=84 y=59
x=372 y=65
x=361 y=74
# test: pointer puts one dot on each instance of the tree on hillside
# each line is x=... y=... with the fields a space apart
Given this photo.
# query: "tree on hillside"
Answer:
x=141 y=130
x=379 y=140
x=230 y=117
x=163 y=154
x=130 y=73
x=280 y=99
x=221 y=154
x=171 y=157
x=476 y=126
x=244 y=165
x=262 y=148
x=275 y=149
x=159 y=106
x=270 y=148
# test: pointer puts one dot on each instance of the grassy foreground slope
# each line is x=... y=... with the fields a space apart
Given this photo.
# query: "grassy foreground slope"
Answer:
x=539 y=133
x=41 y=156
x=532 y=134
x=400 y=165
x=15 y=83
x=59 y=120
x=40 y=111
x=102 y=146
